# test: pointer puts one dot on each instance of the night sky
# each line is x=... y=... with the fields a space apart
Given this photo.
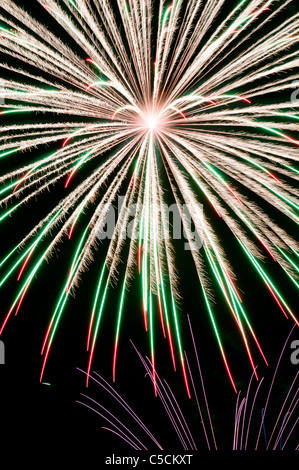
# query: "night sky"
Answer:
x=47 y=416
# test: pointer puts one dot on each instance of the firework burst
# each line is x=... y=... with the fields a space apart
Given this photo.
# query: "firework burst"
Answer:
x=152 y=96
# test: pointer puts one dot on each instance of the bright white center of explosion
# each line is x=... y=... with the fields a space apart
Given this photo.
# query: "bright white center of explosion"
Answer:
x=152 y=121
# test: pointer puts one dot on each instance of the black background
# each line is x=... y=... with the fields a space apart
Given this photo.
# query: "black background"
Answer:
x=37 y=416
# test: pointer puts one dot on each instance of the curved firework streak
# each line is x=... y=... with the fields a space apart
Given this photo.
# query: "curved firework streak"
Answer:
x=252 y=428
x=170 y=115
